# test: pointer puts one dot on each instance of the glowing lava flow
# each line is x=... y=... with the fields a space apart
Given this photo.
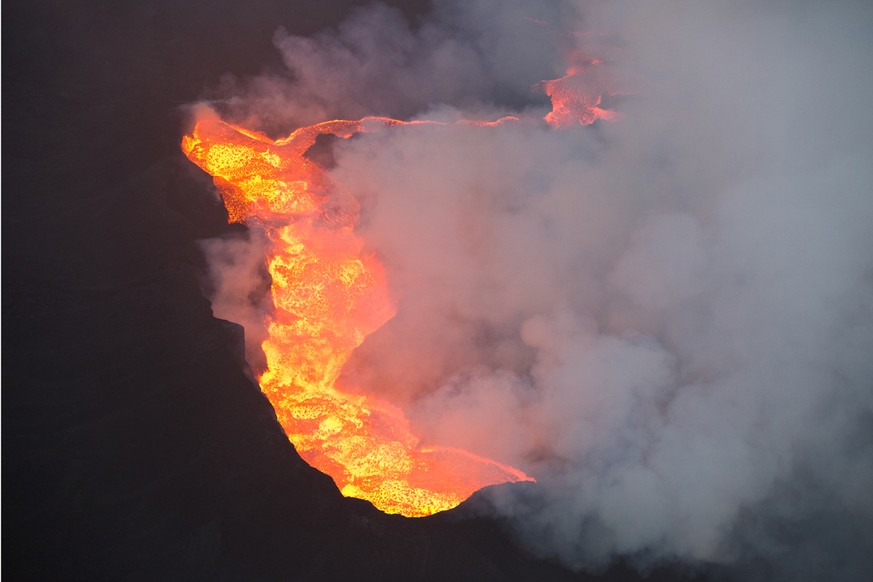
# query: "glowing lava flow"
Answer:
x=577 y=96
x=327 y=296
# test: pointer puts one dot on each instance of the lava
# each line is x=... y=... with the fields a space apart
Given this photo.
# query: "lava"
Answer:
x=577 y=96
x=328 y=294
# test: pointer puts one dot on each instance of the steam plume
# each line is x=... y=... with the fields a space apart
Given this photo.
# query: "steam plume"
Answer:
x=668 y=320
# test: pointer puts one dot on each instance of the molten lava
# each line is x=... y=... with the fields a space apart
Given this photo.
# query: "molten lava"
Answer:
x=328 y=295
x=577 y=96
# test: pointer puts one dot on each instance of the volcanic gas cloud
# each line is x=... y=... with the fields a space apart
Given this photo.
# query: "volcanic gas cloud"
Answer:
x=649 y=287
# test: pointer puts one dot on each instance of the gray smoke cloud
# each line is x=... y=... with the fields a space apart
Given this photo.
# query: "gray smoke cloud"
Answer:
x=237 y=283
x=668 y=319
x=477 y=55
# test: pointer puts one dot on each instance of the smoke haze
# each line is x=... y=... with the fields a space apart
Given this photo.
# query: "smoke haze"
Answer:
x=667 y=320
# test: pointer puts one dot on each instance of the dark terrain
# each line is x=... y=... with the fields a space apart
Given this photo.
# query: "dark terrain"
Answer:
x=135 y=447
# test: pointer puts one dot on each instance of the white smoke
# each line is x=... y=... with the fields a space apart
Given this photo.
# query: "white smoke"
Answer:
x=237 y=284
x=472 y=54
x=667 y=320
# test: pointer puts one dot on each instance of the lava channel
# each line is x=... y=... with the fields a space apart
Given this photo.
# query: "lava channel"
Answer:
x=328 y=294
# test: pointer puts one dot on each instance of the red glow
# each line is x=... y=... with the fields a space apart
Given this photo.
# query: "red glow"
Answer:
x=577 y=96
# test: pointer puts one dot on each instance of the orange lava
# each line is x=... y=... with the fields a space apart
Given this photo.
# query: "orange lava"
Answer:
x=576 y=97
x=328 y=295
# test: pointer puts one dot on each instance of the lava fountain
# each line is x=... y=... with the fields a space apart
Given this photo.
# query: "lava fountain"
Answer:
x=328 y=295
